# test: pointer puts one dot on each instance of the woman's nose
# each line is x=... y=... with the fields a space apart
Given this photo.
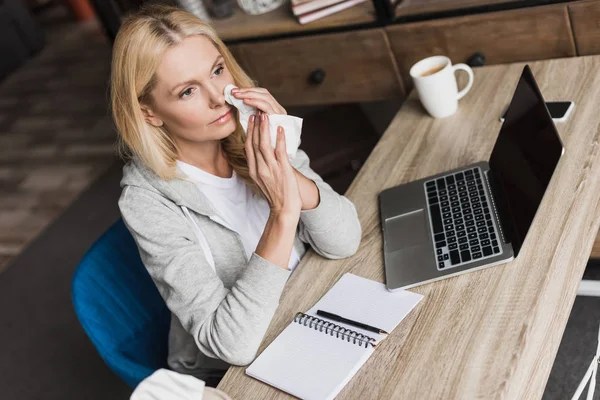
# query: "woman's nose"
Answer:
x=216 y=94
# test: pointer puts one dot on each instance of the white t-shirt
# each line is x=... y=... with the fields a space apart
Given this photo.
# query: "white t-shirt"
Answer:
x=240 y=208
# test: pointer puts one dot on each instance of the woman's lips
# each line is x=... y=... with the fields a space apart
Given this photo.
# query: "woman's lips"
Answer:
x=223 y=119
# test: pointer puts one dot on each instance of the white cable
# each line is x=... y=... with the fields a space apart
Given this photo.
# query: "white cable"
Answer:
x=589 y=288
x=590 y=395
x=590 y=375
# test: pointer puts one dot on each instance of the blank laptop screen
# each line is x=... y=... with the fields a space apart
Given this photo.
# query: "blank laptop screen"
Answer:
x=523 y=159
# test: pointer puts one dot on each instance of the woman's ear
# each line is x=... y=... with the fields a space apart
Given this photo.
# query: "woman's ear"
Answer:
x=150 y=117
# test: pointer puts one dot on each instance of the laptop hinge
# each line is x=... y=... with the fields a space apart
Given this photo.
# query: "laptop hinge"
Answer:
x=493 y=198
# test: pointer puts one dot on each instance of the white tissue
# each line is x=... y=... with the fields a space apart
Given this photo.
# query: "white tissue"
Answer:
x=292 y=126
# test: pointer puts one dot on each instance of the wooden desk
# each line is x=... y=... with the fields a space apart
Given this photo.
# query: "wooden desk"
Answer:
x=487 y=334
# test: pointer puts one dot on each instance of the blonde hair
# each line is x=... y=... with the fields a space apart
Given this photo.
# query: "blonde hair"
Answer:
x=139 y=45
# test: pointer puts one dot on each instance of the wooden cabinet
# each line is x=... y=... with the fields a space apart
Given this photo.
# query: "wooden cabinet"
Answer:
x=324 y=69
x=534 y=33
x=416 y=7
x=364 y=64
x=585 y=18
x=281 y=21
x=236 y=52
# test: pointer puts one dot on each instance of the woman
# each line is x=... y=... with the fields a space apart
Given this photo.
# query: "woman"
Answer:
x=220 y=219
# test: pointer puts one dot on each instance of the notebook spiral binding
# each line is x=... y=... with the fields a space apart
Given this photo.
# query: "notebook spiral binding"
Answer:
x=333 y=329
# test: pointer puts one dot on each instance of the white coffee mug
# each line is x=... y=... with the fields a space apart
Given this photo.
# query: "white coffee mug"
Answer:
x=435 y=82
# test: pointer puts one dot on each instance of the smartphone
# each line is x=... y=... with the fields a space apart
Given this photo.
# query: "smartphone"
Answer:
x=559 y=110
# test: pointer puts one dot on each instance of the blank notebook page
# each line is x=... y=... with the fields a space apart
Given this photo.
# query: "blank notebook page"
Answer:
x=307 y=363
x=312 y=364
x=360 y=299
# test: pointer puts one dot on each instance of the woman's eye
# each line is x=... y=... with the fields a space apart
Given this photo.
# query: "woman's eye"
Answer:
x=186 y=93
x=221 y=68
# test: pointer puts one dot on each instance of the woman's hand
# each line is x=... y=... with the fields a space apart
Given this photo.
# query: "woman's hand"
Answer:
x=271 y=169
x=259 y=98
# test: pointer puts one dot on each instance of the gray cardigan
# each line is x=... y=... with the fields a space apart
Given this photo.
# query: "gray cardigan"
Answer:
x=219 y=316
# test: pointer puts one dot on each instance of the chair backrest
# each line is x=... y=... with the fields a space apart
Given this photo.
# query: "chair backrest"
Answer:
x=120 y=308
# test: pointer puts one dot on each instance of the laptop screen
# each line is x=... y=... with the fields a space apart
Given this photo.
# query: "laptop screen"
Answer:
x=523 y=159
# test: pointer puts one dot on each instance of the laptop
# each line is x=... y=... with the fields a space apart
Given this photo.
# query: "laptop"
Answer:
x=476 y=216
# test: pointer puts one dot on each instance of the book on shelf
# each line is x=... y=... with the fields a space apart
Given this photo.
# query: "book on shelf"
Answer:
x=329 y=10
x=298 y=2
x=312 y=5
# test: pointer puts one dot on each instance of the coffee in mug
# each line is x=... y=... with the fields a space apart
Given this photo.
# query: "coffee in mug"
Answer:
x=432 y=71
x=435 y=83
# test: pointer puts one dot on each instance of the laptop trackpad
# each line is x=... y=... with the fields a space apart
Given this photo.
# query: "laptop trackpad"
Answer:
x=406 y=230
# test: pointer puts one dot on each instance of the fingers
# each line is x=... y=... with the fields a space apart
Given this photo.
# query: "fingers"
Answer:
x=260 y=98
x=255 y=132
x=248 y=145
x=262 y=105
x=259 y=156
x=256 y=163
x=281 y=147
x=258 y=90
x=265 y=146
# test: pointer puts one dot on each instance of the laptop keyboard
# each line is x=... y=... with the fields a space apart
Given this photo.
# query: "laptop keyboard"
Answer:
x=461 y=220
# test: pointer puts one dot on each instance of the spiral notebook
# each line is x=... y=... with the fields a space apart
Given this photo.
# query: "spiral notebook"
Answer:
x=313 y=357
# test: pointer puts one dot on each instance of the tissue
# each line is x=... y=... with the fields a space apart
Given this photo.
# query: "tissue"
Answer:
x=292 y=126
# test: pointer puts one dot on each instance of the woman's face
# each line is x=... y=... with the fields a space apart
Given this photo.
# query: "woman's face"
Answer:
x=188 y=97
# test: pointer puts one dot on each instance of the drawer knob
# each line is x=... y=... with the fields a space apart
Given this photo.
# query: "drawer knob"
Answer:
x=476 y=60
x=317 y=76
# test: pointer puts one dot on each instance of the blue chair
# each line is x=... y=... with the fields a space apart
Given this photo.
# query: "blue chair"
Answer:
x=120 y=308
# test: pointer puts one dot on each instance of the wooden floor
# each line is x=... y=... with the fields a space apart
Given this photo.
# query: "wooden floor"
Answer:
x=55 y=133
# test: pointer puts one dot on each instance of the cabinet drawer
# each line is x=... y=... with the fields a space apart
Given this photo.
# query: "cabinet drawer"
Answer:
x=325 y=69
x=534 y=33
x=585 y=17
x=235 y=51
